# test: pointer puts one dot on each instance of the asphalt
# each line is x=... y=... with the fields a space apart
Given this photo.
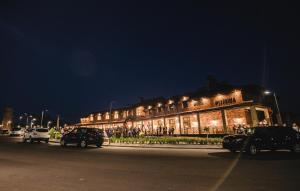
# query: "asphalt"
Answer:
x=42 y=167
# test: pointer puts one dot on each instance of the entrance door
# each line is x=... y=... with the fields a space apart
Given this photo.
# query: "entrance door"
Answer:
x=186 y=125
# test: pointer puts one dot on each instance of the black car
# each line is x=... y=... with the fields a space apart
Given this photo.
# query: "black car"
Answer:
x=83 y=137
x=264 y=138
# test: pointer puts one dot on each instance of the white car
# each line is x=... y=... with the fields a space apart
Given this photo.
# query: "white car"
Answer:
x=16 y=132
x=40 y=134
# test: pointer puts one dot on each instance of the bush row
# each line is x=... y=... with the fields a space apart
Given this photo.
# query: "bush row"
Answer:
x=167 y=140
x=54 y=134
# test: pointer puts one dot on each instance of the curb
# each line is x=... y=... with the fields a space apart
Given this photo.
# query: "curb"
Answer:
x=166 y=146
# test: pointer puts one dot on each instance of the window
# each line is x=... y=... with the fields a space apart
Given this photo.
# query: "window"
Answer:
x=99 y=117
x=124 y=114
x=185 y=104
x=107 y=116
x=172 y=123
x=116 y=115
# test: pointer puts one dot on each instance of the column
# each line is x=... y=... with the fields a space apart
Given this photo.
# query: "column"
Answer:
x=199 y=123
x=254 y=117
x=179 y=120
x=151 y=126
x=224 y=120
x=267 y=116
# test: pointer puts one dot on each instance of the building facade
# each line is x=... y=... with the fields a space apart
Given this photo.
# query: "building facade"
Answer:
x=215 y=110
x=7 y=119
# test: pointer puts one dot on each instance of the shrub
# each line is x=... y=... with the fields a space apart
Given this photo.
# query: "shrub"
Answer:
x=166 y=140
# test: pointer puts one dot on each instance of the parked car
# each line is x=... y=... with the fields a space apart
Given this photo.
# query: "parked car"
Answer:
x=39 y=134
x=264 y=138
x=83 y=137
x=16 y=132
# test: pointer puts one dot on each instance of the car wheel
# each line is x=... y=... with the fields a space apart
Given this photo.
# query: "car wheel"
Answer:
x=47 y=141
x=83 y=144
x=63 y=143
x=296 y=148
x=252 y=150
x=24 y=139
x=30 y=140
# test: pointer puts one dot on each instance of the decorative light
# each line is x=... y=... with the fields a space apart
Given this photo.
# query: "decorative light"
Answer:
x=214 y=123
x=159 y=104
x=220 y=96
x=185 y=98
x=170 y=102
x=194 y=102
x=237 y=92
x=204 y=100
x=267 y=92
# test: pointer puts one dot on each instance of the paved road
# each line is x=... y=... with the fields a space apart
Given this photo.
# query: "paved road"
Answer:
x=49 y=167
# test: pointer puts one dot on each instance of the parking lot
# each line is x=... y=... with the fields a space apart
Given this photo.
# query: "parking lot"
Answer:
x=42 y=166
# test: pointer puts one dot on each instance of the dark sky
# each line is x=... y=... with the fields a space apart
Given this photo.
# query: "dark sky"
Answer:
x=73 y=57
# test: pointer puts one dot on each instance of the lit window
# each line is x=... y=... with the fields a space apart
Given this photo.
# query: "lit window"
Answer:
x=195 y=103
x=99 y=117
x=91 y=118
x=107 y=115
x=116 y=115
x=124 y=114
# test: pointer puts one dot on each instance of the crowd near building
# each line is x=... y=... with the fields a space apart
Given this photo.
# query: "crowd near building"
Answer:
x=215 y=109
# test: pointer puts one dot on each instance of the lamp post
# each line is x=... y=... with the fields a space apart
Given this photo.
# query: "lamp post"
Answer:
x=43 y=117
x=32 y=122
x=48 y=124
x=279 y=119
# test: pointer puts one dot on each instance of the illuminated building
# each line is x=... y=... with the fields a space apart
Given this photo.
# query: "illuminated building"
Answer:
x=217 y=109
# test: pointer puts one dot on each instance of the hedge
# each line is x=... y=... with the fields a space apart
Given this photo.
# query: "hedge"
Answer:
x=167 y=140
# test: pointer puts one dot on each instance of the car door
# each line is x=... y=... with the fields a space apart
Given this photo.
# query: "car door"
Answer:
x=91 y=136
x=260 y=138
x=288 y=137
x=73 y=136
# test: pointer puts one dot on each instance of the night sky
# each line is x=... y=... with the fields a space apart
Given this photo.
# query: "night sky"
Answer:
x=74 y=57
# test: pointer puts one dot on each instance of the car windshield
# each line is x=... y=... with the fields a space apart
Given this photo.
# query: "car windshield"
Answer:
x=42 y=130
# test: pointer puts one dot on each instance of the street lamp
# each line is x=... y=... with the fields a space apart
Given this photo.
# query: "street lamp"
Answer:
x=43 y=117
x=49 y=122
x=279 y=119
x=32 y=122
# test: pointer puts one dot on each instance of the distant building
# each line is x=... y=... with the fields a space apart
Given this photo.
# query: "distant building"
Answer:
x=7 y=118
x=216 y=109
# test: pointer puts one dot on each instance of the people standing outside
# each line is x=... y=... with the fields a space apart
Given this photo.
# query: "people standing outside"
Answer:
x=165 y=131
x=296 y=127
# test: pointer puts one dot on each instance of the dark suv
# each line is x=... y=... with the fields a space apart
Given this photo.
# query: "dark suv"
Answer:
x=264 y=138
x=83 y=137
